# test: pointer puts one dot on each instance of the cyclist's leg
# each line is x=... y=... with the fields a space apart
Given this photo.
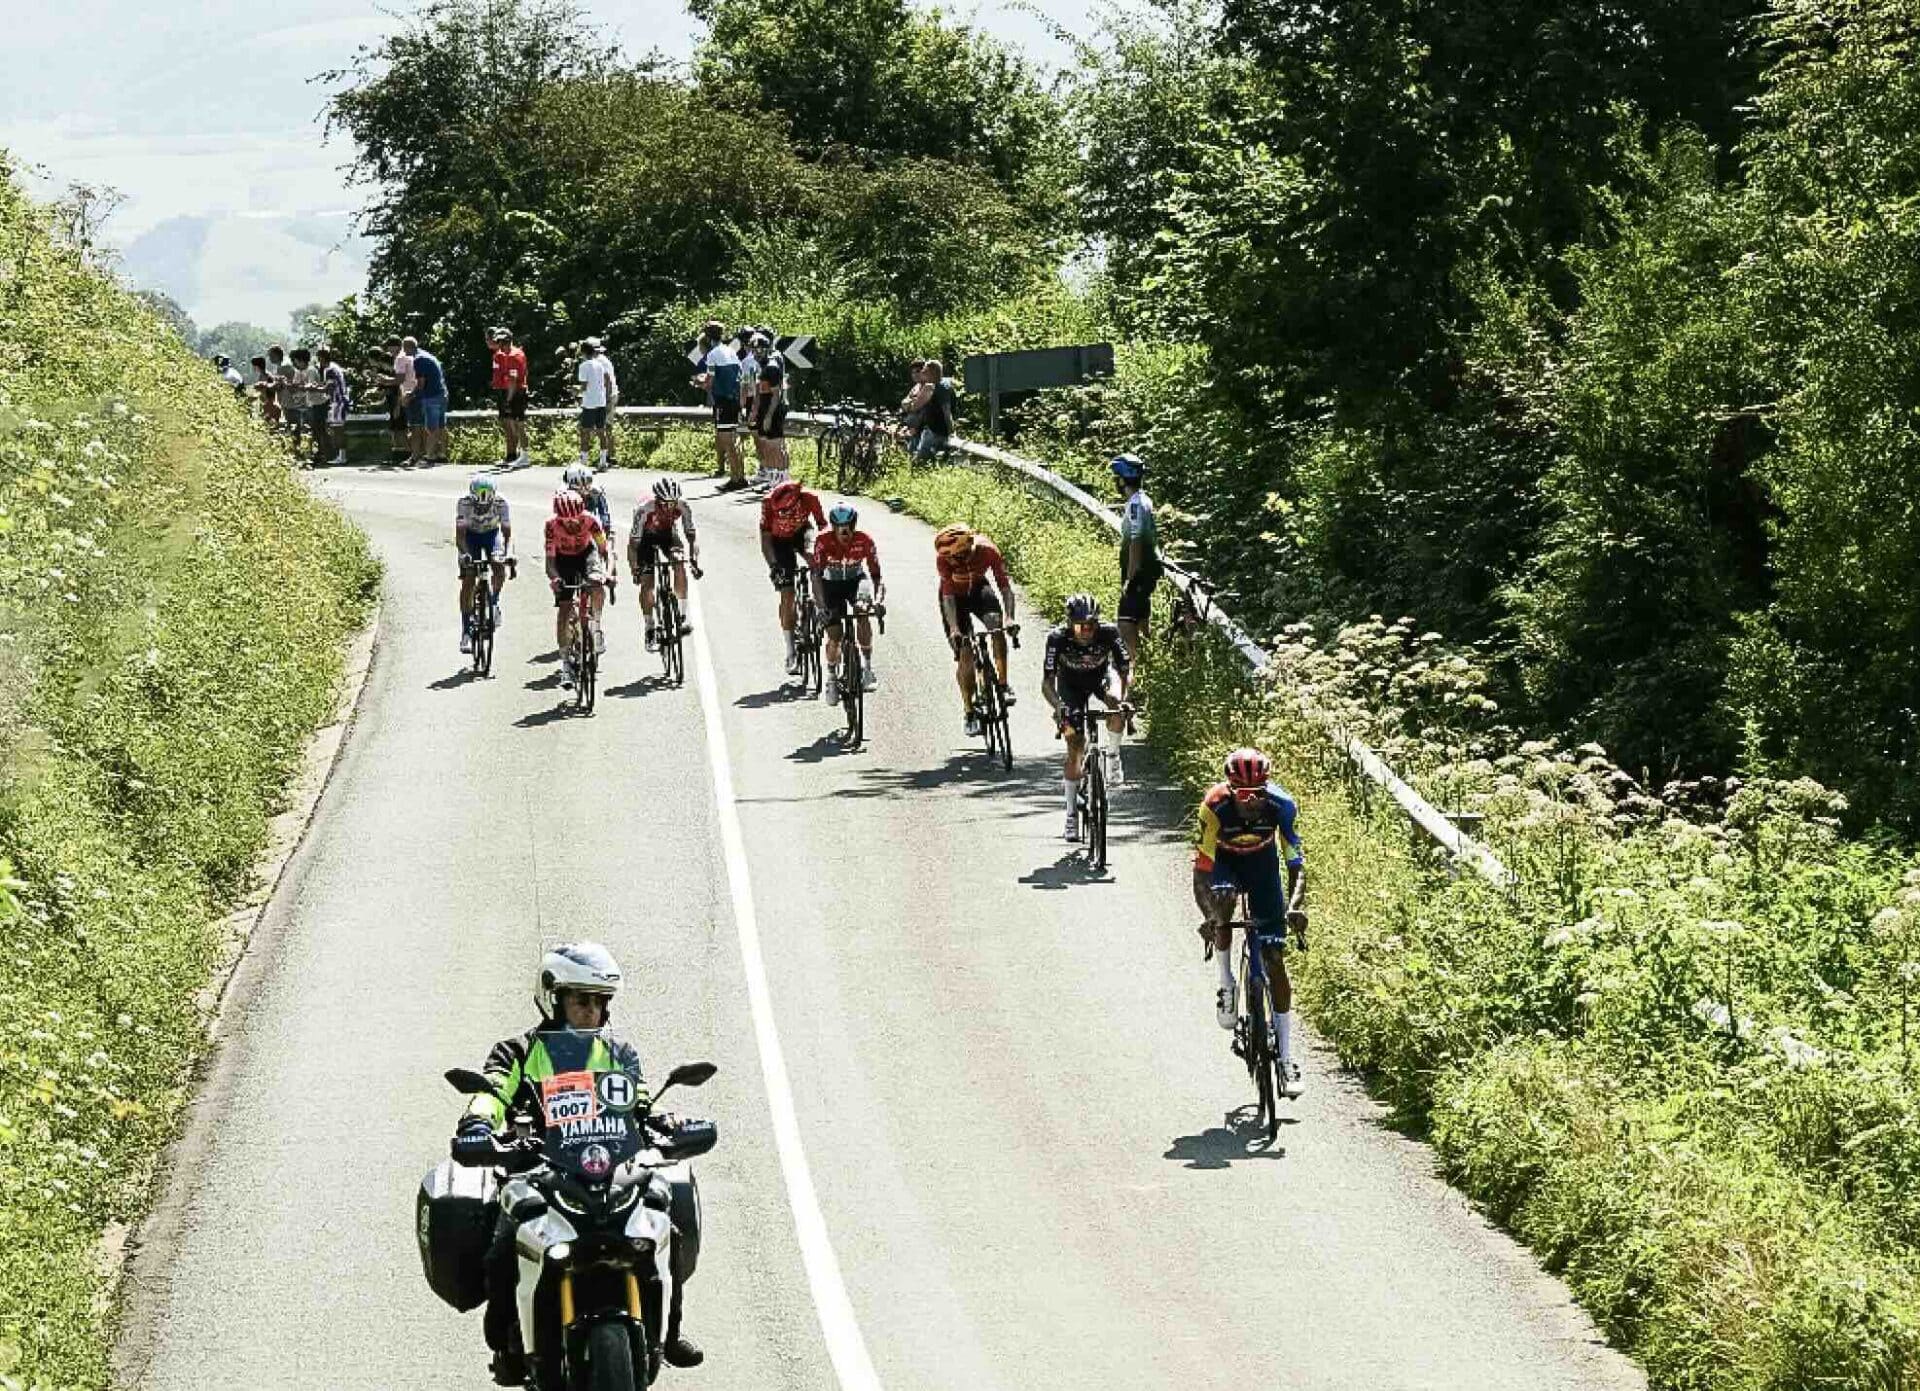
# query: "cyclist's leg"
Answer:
x=1262 y=879
x=468 y=574
x=680 y=581
x=960 y=627
x=1225 y=897
x=643 y=570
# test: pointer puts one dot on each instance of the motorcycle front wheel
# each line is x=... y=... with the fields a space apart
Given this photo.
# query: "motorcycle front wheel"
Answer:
x=609 y=1360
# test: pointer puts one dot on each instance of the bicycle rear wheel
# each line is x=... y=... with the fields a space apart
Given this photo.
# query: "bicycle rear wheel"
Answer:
x=667 y=633
x=1004 y=722
x=1096 y=812
x=811 y=670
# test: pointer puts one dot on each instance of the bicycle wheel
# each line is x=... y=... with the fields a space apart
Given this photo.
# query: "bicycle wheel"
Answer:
x=1096 y=811
x=667 y=633
x=811 y=669
x=1004 y=721
x=853 y=696
x=1260 y=1063
x=483 y=638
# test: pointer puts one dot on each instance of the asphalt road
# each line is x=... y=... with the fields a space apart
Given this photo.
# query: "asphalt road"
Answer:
x=1012 y=1159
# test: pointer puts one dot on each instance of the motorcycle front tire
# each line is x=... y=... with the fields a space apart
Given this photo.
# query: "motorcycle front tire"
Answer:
x=609 y=1360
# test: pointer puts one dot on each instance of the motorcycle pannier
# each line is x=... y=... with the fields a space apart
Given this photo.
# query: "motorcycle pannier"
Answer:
x=454 y=1218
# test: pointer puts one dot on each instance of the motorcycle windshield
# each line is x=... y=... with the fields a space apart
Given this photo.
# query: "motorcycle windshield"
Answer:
x=590 y=1106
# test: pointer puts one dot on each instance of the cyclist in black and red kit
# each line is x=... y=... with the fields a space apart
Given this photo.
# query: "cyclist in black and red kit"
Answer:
x=1084 y=655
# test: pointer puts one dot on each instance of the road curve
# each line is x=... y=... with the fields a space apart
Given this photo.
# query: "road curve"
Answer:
x=1010 y=1092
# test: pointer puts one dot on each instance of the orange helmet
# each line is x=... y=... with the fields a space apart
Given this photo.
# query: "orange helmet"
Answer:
x=786 y=496
x=953 y=541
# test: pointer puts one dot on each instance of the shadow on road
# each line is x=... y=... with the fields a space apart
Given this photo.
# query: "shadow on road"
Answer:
x=1070 y=869
x=533 y=719
x=782 y=694
x=544 y=658
x=549 y=682
x=1219 y=1146
x=639 y=686
x=458 y=678
x=833 y=745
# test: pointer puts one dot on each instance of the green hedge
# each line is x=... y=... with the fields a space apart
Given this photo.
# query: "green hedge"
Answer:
x=173 y=612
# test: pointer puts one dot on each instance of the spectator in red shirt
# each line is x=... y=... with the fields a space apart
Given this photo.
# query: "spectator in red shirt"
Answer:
x=510 y=389
x=787 y=520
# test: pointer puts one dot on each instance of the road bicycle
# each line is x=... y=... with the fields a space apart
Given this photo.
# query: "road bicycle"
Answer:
x=854 y=442
x=1255 y=1032
x=670 y=627
x=852 y=675
x=807 y=635
x=580 y=646
x=1098 y=765
x=990 y=704
x=483 y=619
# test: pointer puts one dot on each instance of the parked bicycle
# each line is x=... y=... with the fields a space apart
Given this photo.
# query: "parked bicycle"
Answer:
x=852 y=676
x=990 y=704
x=853 y=443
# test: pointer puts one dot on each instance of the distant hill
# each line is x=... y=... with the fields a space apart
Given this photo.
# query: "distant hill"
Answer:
x=253 y=267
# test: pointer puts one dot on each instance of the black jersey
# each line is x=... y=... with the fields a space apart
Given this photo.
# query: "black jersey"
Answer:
x=1069 y=658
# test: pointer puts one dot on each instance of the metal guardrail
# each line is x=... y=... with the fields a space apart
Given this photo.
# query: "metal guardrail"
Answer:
x=1418 y=810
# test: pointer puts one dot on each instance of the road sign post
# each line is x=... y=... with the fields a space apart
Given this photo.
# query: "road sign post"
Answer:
x=1036 y=369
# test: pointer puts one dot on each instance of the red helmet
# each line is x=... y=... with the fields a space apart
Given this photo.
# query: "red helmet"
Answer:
x=1247 y=769
x=785 y=497
x=567 y=505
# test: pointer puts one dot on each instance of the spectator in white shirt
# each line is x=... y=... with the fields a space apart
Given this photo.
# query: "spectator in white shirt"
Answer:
x=599 y=398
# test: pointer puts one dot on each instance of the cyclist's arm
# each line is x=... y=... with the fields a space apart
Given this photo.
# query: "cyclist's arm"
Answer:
x=1203 y=853
x=1049 y=668
x=1296 y=857
x=1001 y=578
x=766 y=547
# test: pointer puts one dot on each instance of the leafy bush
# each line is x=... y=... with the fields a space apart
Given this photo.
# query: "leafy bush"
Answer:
x=173 y=611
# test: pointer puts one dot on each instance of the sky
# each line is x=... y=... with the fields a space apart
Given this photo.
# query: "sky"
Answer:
x=205 y=115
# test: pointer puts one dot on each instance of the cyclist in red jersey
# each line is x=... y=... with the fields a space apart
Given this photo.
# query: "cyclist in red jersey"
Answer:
x=966 y=562
x=787 y=520
x=844 y=560
x=576 y=554
x=652 y=536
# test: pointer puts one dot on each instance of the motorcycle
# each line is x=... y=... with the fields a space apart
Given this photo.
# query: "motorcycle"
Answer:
x=595 y=1235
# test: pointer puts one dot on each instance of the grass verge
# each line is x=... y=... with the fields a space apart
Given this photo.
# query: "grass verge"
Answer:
x=174 y=609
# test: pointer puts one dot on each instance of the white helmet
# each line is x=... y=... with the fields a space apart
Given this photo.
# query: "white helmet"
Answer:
x=666 y=490
x=577 y=476
x=583 y=966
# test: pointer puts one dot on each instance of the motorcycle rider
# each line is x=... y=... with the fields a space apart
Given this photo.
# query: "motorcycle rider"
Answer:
x=574 y=993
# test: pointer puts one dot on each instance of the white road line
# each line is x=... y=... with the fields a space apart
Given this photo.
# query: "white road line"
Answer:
x=845 y=1345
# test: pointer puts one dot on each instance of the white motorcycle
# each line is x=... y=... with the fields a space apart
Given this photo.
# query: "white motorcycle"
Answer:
x=591 y=1197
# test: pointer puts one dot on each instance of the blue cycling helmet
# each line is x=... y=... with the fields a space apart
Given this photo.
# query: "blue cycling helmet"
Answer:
x=1083 y=608
x=1129 y=467
x=843 y=515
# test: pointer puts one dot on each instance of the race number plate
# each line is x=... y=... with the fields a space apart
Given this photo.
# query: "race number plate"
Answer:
x=568 y=1097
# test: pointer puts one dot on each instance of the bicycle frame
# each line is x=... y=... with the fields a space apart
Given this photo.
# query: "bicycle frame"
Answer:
x=1263 y=1065
x=586 y=662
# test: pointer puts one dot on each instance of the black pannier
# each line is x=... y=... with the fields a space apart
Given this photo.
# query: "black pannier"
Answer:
x=454 y=1217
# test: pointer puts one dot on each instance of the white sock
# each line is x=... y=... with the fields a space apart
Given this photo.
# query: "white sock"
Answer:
x=1224 y=959
x=1072 y=785
x=1283 y=1027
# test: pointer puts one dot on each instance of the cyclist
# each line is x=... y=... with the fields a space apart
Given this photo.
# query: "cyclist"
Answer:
x=576 y=554
x=579 y=477
x=1140 y=566
x=965 y=562
x=1083 y=657
x=482 y=531
x=788 y=516
x=652 y=536
x=844 y=559
x=1242 y=821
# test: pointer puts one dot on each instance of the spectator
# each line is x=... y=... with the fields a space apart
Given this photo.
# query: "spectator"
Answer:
x=749 y=392
x=510 y=388
x=296 y=401
x=770 y=412
x=599 y=398
x=266 y=388
x=313 y=403
x=230 y=374
x=330 y=423
x=430 y=401
x=286 y=388
x=936 y=411
x=409 y=383
x=387 y=379
x=720 y=378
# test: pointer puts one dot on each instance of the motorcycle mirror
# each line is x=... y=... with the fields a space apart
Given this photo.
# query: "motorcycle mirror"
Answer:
x=691 y=1075
x=464 y=1079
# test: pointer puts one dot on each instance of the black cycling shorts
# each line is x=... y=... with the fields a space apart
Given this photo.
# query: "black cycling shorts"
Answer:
x=1136 y=600
x=839 y=596
x=650 y=547
x=789 y=557
x=726 y=414
x=772 y=424
x=983 y=603
x=1075 y=689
